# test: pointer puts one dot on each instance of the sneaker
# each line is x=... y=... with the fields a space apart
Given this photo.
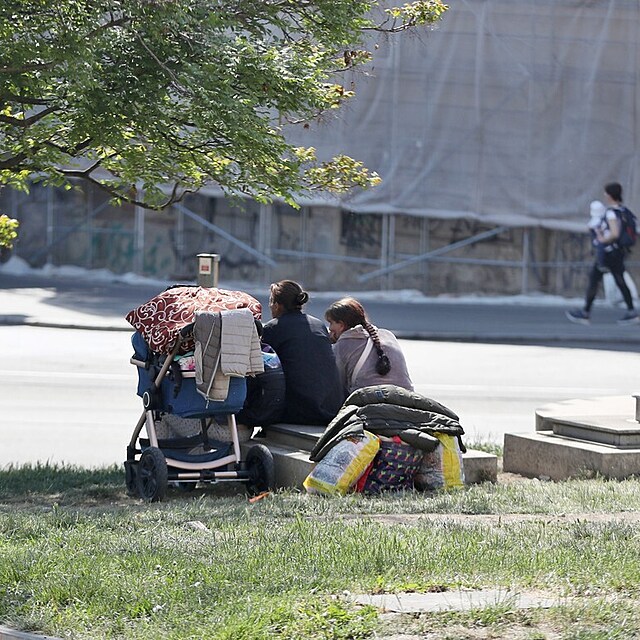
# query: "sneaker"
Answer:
x=578 y=315
x=631 y=317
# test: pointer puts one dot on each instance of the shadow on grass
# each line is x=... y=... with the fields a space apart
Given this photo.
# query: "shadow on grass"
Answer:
x=44 y=482
x=34 y=485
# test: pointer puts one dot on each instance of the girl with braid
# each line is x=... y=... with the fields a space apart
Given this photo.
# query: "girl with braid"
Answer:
x=365 y=355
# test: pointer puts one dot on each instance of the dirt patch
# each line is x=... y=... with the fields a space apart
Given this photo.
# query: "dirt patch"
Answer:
x=493 y=519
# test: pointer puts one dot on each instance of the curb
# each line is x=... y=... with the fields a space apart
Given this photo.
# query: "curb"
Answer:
x=513 y=339
x=9 y=322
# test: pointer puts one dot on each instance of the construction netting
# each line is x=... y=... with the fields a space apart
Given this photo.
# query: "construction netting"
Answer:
x=513 y=112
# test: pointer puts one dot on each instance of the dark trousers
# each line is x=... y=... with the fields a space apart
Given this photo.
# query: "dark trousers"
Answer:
x=613 y=262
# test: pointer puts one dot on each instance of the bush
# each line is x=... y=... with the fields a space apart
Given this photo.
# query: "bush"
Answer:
x=8 y=231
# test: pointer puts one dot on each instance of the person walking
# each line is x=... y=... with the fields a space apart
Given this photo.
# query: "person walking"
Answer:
x=365 y=355
x=610 y=260
x=312 y=388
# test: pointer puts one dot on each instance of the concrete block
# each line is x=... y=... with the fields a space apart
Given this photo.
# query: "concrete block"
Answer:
x=622 y=407
x=623 y=433
x=544 y=454
x=479 y=466
x=295 y=436
x=11 y=634
x=292 y=465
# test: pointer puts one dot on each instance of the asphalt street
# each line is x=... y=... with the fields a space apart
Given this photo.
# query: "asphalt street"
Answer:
x=69 y=395
x=494 y=364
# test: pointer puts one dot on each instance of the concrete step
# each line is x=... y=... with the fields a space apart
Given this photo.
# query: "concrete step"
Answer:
x=605 y=407
x=293 y=465
x=291 y=444
x=545 y=454
x=479 y=466
x=613 y=431
x=578 y=437
x=295 y=436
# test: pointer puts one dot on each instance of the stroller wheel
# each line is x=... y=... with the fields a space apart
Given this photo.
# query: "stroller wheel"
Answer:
x=152 y=477
x=261 y=470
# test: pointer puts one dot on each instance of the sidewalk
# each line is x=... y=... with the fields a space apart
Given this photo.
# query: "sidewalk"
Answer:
x=89 y=302
x=46 y=307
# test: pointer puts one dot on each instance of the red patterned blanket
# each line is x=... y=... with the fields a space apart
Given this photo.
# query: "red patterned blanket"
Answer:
x=160 y=319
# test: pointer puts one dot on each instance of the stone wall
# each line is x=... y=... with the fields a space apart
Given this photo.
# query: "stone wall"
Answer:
x=325 y=248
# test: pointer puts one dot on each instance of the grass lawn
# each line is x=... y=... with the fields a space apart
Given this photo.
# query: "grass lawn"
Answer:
x=80 y=559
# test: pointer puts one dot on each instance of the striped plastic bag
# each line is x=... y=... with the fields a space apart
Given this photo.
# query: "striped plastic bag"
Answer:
x=394 y=467
x=343 y=465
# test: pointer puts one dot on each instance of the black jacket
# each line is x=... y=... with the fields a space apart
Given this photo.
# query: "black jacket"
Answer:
x=313 y=393
x=388 y=410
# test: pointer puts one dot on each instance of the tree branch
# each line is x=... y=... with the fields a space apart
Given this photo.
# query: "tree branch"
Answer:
x=172 y=76
x=13 y=163
x=8 y=96
x=70 y=151
x=112 y=22
x=39 y=66
x=24 y=123
x=176 y=195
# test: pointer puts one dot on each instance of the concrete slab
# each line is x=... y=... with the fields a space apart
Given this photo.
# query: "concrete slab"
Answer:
x=291 y=444
x=620 y=407
x=292 y=465
x=12 y=634
x=479 y=467
x=461 y=600
x=297 y=436
x=544 y=454
x=611 y=430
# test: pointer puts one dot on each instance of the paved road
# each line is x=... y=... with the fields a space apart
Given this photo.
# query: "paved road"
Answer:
x=70 y=395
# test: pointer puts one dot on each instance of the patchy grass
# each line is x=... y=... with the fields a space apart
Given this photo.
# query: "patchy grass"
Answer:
x=80 y=559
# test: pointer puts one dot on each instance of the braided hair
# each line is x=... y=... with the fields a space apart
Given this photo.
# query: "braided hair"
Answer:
x=289 y=294
x=350 y=312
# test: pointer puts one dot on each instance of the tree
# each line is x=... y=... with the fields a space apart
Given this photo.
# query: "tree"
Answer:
x=8 y=231
x=152 y=99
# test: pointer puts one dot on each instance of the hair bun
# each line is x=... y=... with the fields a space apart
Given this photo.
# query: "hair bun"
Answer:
x=302 y=297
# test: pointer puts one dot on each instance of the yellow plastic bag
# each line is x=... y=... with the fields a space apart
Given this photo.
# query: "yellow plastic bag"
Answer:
x=452 y=467
x=442 y=468
x=343 y=465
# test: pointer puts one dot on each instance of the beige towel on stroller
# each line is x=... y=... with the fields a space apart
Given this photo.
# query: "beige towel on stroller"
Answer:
x=226 y=344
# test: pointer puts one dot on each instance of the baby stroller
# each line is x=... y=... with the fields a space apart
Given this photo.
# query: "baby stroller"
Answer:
x=168 y=388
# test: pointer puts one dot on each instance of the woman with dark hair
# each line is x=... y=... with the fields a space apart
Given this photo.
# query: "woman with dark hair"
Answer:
x=365 y=355
x=312 y=391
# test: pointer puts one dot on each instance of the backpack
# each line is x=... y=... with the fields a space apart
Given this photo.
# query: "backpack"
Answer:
x=264 y=404
x=628 y=227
